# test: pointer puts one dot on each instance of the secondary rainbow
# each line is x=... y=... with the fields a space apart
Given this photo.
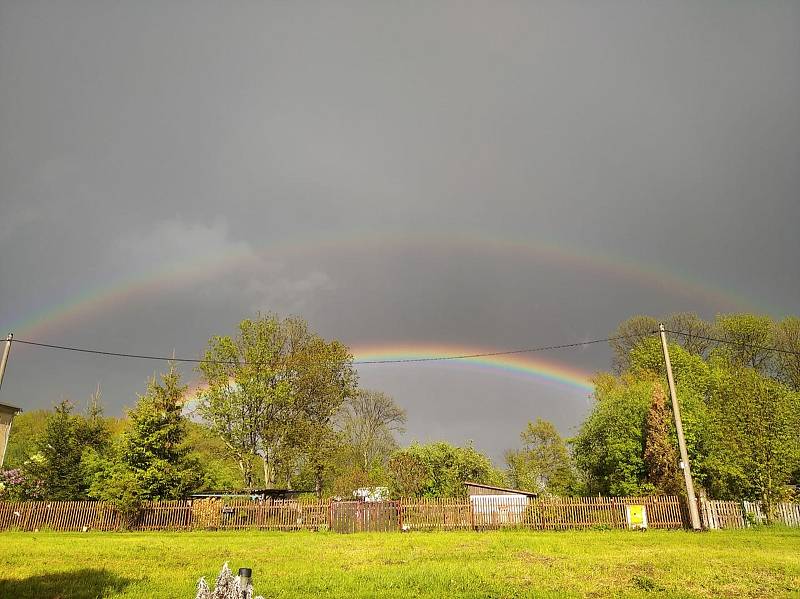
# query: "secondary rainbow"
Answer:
x=201 y=268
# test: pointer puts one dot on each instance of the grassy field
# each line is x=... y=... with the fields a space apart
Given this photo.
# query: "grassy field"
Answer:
x=754 y=563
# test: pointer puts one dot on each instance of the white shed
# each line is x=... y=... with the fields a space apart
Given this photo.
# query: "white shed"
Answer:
x=497 y=505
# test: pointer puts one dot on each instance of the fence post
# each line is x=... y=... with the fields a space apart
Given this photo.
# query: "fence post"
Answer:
x=471 y=512
x=400 y=514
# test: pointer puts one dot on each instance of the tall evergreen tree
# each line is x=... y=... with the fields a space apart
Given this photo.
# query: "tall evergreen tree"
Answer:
x=153 y=449
x=660 y=457
x=57 y=460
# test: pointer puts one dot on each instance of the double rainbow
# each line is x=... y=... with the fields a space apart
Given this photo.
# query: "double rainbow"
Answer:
x=122 y=291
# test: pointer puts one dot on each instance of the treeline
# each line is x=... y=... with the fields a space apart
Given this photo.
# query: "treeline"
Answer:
x=738 y=384
x=280 y=407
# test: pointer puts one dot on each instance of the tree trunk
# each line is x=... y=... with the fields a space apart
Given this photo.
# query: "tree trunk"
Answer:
x=269 y=473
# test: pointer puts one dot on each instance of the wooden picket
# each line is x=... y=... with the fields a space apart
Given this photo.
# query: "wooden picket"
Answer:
x=551 y=513
x=479 y=513
x=734 y=514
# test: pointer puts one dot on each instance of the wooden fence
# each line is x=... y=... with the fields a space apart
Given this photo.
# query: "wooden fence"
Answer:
x=410 y=514
x=741 y=514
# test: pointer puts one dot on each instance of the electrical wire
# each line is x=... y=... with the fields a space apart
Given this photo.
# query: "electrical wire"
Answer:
x=742 y=344
x=356 y=362
x=529 y=350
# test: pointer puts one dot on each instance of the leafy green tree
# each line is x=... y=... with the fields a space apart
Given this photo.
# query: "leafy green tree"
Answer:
x=445 y=468
x=787 y=339
x=22 y=442
x=220 y=472
x=758 y=428
x=543 y=463
x=274 y=380
x=747 y=337
x=323 y=382
x=609 y=447
x=408 y=474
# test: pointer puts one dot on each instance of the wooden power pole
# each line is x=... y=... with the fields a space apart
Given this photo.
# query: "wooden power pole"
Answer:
x=694 y=513
x=4 y=361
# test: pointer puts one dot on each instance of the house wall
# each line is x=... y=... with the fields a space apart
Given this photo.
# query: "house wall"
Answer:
x=6 y=416
x=507 y=508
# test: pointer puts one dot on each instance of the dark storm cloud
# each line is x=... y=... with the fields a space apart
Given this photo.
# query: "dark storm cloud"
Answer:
x=156 y=137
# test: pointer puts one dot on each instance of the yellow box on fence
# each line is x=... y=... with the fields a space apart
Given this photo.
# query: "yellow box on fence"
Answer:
x=636 y=516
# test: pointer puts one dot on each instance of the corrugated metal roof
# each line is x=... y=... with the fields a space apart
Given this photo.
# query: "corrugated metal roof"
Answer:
x=498 y=489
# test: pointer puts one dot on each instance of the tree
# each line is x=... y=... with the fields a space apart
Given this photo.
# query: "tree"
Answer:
x=59 y=451
x=267 y=385
x=787 y=339
x=609 y=446
x=695 y=335
x=445 y=468
x=757 y=433
x=369 y=420
x=153 y=454
x=408 y=474
x=28 y=427
x=628 y=335
x=543 y=464
x=323 y=380
x=747 y=337
x=687 y=330
x=738 y=405
x=660 y=457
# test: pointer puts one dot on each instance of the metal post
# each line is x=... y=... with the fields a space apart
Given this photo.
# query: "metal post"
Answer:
x=694 y=514
x=4 y=361
x=245 y=578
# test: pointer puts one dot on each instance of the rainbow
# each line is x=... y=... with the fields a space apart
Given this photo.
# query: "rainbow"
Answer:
x=527 y=365
x=112 y=294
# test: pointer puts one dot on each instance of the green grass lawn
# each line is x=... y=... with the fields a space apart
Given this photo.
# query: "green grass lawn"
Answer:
x=755 y=563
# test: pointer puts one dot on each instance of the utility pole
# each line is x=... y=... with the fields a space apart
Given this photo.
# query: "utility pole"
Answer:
x=694 y=514
x=4 y=361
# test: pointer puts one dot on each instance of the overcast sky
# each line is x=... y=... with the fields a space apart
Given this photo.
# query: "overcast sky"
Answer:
x=361 y=164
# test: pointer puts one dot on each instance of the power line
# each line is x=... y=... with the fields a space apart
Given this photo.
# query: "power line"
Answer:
x=528 y=350
x=501 y=353
x=356 y=362
x=742 y=344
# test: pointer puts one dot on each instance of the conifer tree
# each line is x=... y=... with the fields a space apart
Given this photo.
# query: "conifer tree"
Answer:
x=152 y=447
x=660 y=457
x=56 y=462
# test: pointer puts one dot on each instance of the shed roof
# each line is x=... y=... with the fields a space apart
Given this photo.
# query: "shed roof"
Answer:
x=469 y=484
x=10 y=407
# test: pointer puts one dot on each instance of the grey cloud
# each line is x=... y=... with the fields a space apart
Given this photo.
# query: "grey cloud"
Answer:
x=142 y=134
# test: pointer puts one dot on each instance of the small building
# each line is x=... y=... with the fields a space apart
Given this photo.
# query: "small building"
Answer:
x=497 y=505
x=371 y=494
x=7 y=413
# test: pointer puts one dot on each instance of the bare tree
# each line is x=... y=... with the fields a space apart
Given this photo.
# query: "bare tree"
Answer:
x=694 y=332
x=369 y=421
